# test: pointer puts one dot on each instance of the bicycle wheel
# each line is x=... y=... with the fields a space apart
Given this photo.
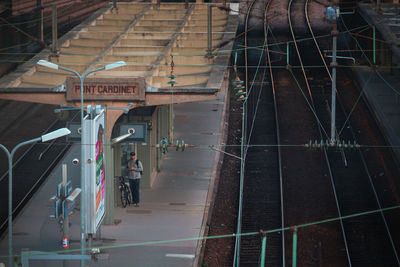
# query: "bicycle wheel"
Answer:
x=124 y=198
x=128 y=191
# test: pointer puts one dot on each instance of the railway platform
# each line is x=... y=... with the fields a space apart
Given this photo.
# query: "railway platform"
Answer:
x=173 y=59
x=381 y=92
x=175 y=208
x=381 y=83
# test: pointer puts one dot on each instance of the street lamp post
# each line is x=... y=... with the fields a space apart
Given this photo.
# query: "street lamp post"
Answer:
x=51 y=65
x=44 y=138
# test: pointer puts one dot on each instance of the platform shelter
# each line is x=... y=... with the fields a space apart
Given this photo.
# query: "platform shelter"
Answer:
x=175 y=53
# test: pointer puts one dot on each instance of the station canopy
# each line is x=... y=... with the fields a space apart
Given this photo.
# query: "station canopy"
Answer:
x=165 y=47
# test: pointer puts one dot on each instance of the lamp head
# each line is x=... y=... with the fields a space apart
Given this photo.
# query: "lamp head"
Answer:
x=115 y=65
x=47 y=64
x=55 y=134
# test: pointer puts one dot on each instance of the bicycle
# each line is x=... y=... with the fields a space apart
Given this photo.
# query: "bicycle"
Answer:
x=126 y=196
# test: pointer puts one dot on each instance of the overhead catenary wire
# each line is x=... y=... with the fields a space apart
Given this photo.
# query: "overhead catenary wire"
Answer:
x=204 y=53
x=229 y=235
x=370 y=65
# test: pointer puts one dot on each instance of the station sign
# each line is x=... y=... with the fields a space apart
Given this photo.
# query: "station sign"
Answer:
x=126 y=89
x=65 y=201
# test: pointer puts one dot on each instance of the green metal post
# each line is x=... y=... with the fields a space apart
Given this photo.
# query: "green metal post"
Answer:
x=235 y=58
x=294 y=247
x=334 y=65
x=287 y=53
x=263 y=248
x=241 y=184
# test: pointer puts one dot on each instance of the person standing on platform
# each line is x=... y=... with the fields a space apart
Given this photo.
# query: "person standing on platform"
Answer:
x=135 y=170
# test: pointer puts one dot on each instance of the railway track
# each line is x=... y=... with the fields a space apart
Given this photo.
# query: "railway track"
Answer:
x=352 y=187
x=289 y=185
x=33 y=163
x=262 y=186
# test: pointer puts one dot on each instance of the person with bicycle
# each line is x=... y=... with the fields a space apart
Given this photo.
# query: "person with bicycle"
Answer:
x=135 y=169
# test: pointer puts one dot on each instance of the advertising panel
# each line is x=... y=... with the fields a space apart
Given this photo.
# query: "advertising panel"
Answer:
x=99 y=185
x=94 y=134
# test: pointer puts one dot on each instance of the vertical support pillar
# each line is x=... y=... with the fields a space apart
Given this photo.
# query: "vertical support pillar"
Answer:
x=110 y=185
x=391 y=61
x=111 y=117
x=54 y=45
x=294 y=256
x=90 y=241
x=333 y=65
x=39 y=6
x=83 y=183
x=378 y=5
x=171 y=121
x=115 y=4
x=374 y=44
x=209 y=31
x=66 y=219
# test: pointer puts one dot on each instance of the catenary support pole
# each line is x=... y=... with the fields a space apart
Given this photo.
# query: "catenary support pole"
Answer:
x=66 y=219
x=333 y=65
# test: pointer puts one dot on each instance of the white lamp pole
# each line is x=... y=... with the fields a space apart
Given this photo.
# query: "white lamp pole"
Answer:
x=44 y=138
x=83 y=184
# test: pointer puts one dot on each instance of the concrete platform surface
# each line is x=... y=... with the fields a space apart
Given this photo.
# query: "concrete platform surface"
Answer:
x=381 y=91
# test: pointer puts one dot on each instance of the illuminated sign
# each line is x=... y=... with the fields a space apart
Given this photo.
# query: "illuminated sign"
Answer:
x=106 y=89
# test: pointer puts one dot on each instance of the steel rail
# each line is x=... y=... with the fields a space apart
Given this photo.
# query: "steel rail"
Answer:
x=312 y=106
x=315 y=40
x=277 y=130
x=236 y=257
x=331 y=178
x=51 y=165
x=378 y=202
x=26 y=151
x=289 y=11
x=319 y=126
x=361 y=157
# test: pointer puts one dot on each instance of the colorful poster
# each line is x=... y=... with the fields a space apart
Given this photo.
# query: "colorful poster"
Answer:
x=94 y=160
x=100 y=172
